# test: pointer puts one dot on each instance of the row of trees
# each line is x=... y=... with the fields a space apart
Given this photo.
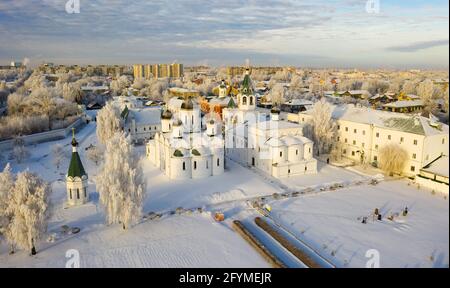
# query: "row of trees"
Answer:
x=38 y=106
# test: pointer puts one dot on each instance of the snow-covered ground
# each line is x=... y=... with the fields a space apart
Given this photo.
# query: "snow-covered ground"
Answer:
x=330 y=222
x=325 y=220
x=181 y=241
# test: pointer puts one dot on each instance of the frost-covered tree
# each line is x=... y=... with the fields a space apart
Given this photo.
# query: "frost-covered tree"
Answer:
x=6 y=184
x=277 y=94
x=43 y=99
x=392 y=159
x=19 y=152
x=108 y=122
x=15 y=103
x=71 y=92
x=117 y=86
x=28 y=207
x=426 y=91
x=446 y=100
x=409 y=87
x=120 y=183
x=323 y=127
x=57 y=154
x=95 y=154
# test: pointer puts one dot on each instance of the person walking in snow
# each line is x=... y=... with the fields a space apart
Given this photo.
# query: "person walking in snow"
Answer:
x=405 y=211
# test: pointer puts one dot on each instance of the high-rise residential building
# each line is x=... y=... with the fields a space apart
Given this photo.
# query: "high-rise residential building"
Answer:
x=176 y=70
x=138 y=71
x=149 y=71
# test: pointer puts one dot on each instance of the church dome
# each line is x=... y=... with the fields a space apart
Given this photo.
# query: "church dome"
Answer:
x=166 y=114
x=188 y=104
x=177 y=122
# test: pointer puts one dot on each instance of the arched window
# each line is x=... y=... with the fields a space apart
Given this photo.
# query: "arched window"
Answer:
x=251 y=100
x=244 y=100
x=85 y=194
x=207 y=165
x=78 y=193
x=192 y=119
x=184 y=166
x=218 y=162
x=70 y=193
x=195 y=165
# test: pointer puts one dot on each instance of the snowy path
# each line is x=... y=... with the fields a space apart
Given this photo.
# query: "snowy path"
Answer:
x=272 y=245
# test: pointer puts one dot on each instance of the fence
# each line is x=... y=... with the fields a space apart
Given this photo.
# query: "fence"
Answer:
x=43 y=136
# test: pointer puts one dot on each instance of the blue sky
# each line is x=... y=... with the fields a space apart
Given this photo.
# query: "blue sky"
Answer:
x=314 y=33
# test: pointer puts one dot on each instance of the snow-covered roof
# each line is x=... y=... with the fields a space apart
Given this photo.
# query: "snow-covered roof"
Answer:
x=295 y=102
x=438 y=167
x=146 y=116
x=395 y=121
x=94 y=88
x=220 y=101
x=175 y=103
x=273 y=125
x=404 y=104
x=287 y=140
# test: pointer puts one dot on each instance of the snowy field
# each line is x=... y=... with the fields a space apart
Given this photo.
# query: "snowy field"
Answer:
x=182 y=241
x=329 y=223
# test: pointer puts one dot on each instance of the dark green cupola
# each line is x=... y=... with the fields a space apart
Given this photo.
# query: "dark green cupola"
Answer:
x=76 y=168
x=246 y=87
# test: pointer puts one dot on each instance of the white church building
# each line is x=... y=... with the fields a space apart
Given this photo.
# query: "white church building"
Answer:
x=182 y=149
x=263 y=141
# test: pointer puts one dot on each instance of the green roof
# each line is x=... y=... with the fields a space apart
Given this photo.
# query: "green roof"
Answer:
x=231 y=104
x=409 y=125
x=246 y=87
x=125 y=113
x=178 y=153
x=76 y=168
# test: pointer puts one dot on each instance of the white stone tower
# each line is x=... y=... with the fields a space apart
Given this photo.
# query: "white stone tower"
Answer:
x=166 y=121
x=77 y=178
x=190 y=116
x=223 y=90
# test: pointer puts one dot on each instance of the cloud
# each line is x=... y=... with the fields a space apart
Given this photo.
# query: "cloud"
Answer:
x=417 y=46
x=301 y=31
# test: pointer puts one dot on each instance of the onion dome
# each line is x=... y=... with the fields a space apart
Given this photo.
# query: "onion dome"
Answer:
x=177 y=122
x=187 y=104
x=166 y=114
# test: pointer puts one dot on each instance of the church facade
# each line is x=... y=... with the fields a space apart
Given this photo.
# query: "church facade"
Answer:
x=255 y=139
x=182 y=149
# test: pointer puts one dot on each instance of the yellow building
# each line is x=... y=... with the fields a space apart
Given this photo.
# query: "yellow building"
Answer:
x=138 y=71
x=150 y=71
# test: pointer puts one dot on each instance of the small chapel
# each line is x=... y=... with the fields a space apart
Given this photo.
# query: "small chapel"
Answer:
x=77 y=178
